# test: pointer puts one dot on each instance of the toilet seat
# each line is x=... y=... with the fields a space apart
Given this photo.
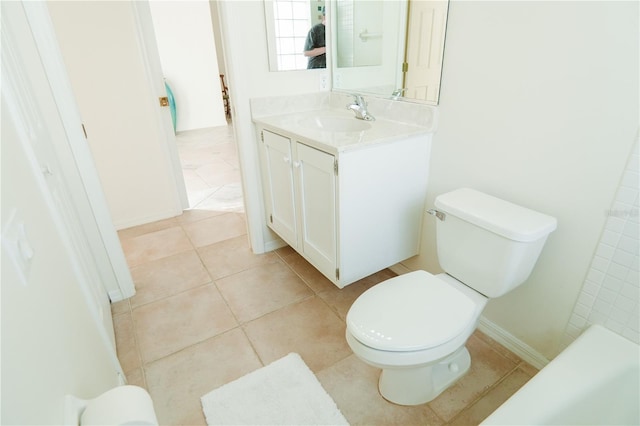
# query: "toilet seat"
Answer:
x=411 y=312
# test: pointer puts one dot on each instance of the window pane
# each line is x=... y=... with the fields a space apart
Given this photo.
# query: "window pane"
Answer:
x=283 y=10
x=300 y=9
x=286 y=28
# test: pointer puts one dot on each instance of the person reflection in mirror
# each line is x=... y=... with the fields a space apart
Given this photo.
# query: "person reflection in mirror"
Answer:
x=314 y=46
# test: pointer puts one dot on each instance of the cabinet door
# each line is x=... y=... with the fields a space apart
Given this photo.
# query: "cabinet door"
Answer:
x=318 y=207
x=279 y=186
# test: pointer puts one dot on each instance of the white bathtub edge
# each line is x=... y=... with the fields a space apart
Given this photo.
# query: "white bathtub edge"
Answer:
x=593 y=381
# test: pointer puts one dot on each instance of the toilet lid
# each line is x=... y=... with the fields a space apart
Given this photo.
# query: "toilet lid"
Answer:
x=410 y=312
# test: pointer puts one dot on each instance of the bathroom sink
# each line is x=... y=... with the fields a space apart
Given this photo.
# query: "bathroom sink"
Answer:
x=335 y=123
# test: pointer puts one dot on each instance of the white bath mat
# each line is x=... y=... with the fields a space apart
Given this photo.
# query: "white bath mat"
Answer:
x=284 y=392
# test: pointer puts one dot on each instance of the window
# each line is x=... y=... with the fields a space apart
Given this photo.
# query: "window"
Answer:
x=292 y=23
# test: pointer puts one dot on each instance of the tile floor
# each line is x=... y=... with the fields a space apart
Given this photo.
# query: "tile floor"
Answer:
x=208 y=311
x=210 y=167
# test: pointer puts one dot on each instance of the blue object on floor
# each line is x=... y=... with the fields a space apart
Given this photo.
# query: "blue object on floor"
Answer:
x=172 y=104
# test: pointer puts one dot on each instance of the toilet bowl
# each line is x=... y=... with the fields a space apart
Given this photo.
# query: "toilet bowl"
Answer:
x=414 y=326
x=386 y=328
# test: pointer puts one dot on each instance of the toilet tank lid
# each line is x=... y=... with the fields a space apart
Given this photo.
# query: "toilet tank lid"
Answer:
x=501 y=217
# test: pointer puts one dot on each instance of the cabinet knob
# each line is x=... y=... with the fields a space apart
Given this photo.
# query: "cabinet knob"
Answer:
x=286 y=160
x=297 y=164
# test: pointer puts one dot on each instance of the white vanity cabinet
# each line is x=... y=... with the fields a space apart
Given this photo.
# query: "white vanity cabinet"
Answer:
x=349 y=212
x=300 y=195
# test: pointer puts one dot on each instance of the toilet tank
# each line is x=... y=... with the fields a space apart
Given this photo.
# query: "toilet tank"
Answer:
x=489 y=244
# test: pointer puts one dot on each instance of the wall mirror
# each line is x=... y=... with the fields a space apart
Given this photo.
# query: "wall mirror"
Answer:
x=389 y=48
x=386 y=48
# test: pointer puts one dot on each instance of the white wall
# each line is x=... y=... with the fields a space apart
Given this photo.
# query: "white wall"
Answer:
x=119 y=109
x=184 y=34
x=539 y=106
x=249 y=76
x=50 y=343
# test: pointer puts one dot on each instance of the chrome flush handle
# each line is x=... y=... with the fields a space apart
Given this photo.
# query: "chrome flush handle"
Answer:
x=437 y=213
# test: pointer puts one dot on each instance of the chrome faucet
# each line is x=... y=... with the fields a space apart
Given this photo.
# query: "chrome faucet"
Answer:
x=359 y=106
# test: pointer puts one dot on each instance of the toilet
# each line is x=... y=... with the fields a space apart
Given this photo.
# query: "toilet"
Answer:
x=415 y=326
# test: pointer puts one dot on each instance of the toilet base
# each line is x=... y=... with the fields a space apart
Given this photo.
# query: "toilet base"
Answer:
x=419 y=385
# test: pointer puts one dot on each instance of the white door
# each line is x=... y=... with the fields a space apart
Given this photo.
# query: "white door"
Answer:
x=28 y=88
x=153 y=68
x=77 y=162
x=280 y=198
x=425 y=36
x=318 y=207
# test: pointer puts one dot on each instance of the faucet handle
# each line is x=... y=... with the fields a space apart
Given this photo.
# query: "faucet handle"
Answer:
x=359 y=100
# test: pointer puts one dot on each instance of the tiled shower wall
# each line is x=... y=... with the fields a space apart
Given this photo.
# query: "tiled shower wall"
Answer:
x=611 y=292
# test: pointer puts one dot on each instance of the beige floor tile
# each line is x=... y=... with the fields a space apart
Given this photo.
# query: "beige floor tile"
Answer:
x=260 y=290
x=354 y=387
x=155 y=245
x=489 y=402
x=342 y=299
x=215 y=229
x=308 y=328
x=167 y=276
x=120 y=307
x=177 y=382
x=173 y=323
x=487 y=368
x=231 y=256
x=126 y=345
x=497 y=346
x=310 y=275
x=194 y=418
x=136 y=378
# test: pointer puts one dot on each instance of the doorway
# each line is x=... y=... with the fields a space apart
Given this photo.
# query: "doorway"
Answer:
x=210 y=167
x=192 y=64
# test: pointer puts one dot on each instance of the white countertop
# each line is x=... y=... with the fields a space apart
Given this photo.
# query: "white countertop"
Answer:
x=300 y=126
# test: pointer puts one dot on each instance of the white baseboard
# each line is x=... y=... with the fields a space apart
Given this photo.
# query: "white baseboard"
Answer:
x=517 y=346
x=115 y=296
x=137 y=221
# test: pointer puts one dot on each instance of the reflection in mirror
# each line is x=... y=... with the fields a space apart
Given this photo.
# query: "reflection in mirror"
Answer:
x=363 y=48
x=288 y=23
x=389 y=48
